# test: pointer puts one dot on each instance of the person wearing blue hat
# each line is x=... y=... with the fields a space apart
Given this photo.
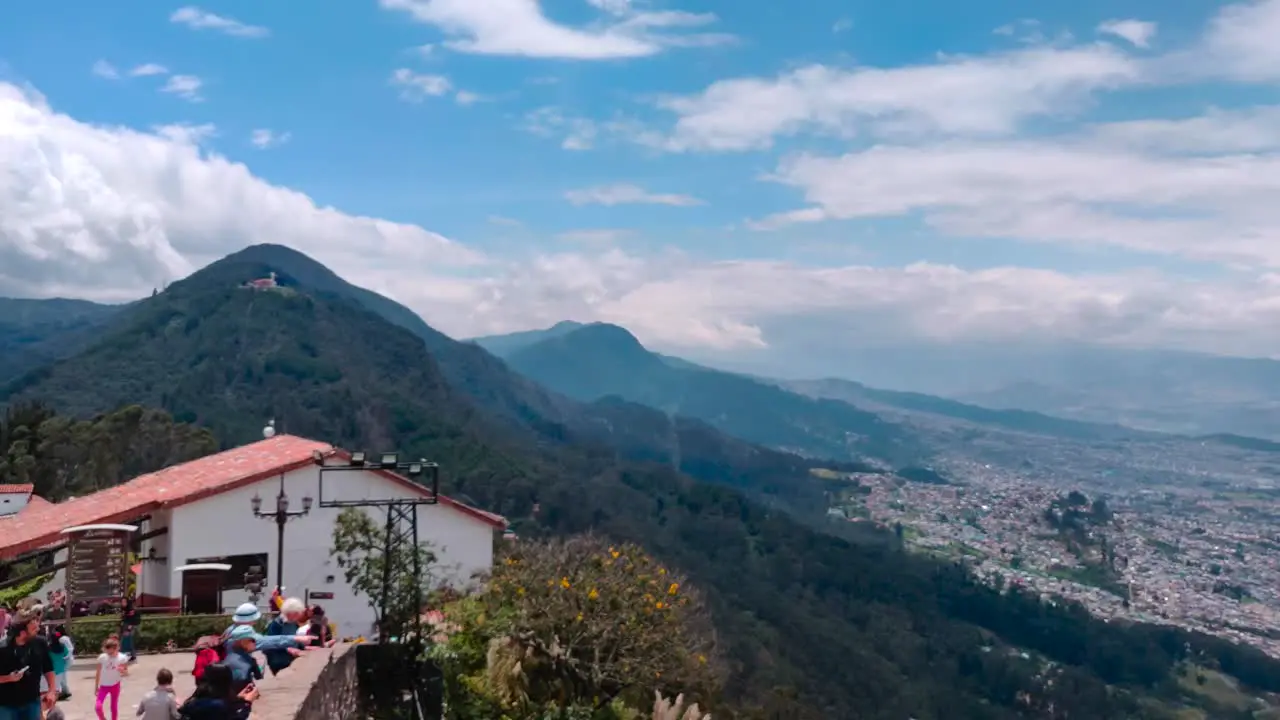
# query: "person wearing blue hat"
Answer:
x=248 y=614
x=241 y=643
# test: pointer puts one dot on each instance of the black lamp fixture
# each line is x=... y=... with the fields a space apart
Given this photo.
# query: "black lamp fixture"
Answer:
x=281 y=515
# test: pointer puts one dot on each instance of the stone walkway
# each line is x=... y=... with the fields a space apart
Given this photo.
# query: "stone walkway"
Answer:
x=141 y=680
x=281 y=696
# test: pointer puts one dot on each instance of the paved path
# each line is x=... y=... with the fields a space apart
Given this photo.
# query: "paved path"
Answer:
x=141 y=680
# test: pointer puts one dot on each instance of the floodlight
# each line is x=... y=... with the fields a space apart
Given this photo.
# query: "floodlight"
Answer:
x=390 y=460
x=358 y=457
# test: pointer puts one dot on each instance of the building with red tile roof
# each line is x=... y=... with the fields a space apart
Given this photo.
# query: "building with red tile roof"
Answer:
x=199 y=510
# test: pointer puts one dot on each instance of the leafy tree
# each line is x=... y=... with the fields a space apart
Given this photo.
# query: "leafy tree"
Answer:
x=394 y=591
x=578 y=623
x=62 y=456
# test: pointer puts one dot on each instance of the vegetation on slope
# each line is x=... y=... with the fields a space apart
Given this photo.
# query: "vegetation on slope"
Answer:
x=811 y=625
x=36 y=332
x=62 y=456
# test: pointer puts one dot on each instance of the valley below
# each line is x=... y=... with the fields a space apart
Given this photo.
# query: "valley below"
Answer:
x=1159 y=529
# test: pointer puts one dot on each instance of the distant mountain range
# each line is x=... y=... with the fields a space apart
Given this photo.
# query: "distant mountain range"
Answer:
x=1168 y=391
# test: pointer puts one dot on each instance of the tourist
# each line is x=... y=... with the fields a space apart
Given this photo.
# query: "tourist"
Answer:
x=130 y=618
x=54 y=713
x=206 y=655
x=248 y=614
x=292 y=615
x=62 y=651
x=113 y=666
x=318 y=628
x=161 y=703
x=240 y=647
x=4 y=623
x=214 y=698
x=23 y=661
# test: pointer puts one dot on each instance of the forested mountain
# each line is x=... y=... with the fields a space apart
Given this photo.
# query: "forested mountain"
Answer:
x=815 y=626
x=503 y=345
x=600 y=360
x=36 y=332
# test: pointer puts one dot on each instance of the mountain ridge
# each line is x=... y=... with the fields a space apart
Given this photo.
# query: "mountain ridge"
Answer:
x=601 y=360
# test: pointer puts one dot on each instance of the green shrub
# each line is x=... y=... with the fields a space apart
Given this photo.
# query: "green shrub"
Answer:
x=153 y=634
x=10 y=596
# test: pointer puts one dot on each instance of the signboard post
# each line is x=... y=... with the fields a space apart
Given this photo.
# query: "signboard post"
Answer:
x=97 y=563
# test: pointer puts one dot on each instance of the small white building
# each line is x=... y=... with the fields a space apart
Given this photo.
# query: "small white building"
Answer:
x=202 y=512
x=13 y=498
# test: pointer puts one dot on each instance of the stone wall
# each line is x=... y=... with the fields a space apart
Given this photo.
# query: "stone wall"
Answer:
x=320 y=684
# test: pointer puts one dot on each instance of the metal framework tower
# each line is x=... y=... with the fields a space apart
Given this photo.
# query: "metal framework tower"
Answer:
x=401 y=533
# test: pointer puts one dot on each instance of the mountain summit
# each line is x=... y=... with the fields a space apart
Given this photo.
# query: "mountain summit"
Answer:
x=601 y=360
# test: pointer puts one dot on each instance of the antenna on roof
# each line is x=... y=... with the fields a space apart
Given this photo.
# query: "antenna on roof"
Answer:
x=270 y=430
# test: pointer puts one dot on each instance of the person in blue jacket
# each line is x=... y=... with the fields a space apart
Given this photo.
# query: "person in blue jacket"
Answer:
x=248 y=614
x=286 y=624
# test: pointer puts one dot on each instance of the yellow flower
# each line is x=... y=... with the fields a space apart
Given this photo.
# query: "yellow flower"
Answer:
x=702 y=659
x=659 y=605
x=614 y=553
x=662 y=571
x=564 y=583
x=675 y=587
x=579 y=617
x=520 y=591
x=593 y=594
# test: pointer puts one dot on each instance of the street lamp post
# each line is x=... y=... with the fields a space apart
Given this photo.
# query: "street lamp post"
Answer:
x=281 y=515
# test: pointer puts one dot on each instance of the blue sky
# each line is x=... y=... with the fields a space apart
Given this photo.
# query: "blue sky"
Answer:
x=631 y=160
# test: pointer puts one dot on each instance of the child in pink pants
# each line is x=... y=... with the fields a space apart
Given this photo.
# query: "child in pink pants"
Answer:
x=113 y=666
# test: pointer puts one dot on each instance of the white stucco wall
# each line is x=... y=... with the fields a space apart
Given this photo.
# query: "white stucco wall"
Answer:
x=224 y=525
x=11 y=503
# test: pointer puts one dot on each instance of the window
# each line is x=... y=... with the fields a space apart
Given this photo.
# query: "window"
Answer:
x=233 y=579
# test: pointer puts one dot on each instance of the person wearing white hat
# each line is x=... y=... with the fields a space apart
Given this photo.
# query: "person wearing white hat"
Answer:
x=248 y=614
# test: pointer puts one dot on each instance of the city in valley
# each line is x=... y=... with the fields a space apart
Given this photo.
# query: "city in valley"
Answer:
x=1157 y=529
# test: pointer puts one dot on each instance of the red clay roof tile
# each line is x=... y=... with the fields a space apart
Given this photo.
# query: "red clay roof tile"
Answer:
x=15 y=489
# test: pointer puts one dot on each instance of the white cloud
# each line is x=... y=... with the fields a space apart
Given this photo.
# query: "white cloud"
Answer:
x=104 y=69
x=1243 y=130
x=613 y=7
x=521 y=28
x=415 y=87
x=575 y=133
x=842 y=25
x=187 y=134
x=1136 y=32
x=197 y=19
x=110 y=213
x=467 y=98
x=148 y=69
x=186 y=87
x=1240 y=44
x=610 y=195
x=263 y=138
x=984 y=95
